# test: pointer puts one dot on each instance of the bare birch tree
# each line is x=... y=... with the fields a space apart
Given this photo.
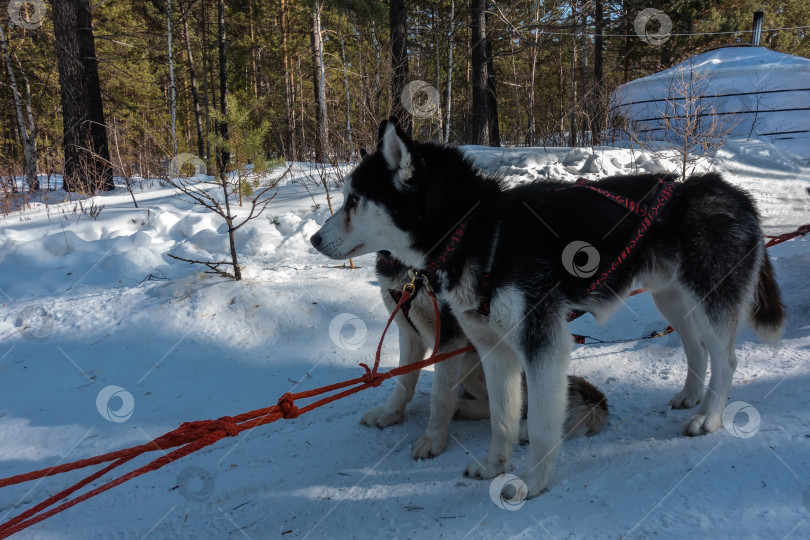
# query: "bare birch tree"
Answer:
x=27 y=129
x=375 y=42
x=398 y=17
x=437 y=64
x=449 y=101
x=348 y=93
x=319 y=83
x=598 y=100
x=533 y=72
x=480 y=119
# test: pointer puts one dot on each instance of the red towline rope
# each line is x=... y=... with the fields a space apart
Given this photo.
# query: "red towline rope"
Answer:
x=193 y=436
x=779 y=238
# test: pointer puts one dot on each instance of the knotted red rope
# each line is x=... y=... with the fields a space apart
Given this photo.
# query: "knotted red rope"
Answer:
x=287 y=405
x=192 y=436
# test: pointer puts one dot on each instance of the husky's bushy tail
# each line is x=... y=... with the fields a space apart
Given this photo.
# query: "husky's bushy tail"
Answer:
x=767 y=316
x=587 y=409
x=586 y=414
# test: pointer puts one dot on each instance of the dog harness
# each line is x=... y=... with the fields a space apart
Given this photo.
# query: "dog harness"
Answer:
x=647 y=214
x=396 y=294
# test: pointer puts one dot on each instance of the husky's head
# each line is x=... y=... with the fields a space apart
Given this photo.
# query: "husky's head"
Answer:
x=383 y=199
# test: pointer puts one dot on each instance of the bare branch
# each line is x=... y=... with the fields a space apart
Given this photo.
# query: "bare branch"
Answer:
x=213 y=265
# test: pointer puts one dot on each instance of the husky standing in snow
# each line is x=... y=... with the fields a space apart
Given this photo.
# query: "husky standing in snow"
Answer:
x=587 y=406
x=510 y=264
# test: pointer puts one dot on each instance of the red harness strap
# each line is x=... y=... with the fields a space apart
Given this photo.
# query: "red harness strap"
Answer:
x=665 y=191
x=647 y=213
x=633 y=206
x=455 y=239
x=405 y=307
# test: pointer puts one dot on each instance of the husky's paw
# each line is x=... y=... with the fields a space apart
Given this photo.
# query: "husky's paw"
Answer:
x=428 y=446
x=381 y=417
x=534 y=486
x=685 y=400
x=701 y=424
x=484 y=469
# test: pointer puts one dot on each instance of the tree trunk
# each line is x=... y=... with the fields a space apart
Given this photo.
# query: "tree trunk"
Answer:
x=480 y=115
x=289 y=87
x=27 y=133
x=598 y=114
x=572 y=115
x=319 y=84
x=532 y=75
x=195 y=98
x=561 y=101
x=492 y=98
x=31 y=152
x=377 y=69
x=467 y=98
x=437 y=47
x=223 y=155
x=102 y=166
x=87 y=155
x=449 y=100
x=206 y=99
x=253 y=59
x=398 y=16
x=517 y=87
x=348 y=95
x=173 y=90
x=628 y=32
x=301 y=102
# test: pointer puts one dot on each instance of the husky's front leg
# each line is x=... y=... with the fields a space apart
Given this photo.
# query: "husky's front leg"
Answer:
x=502 y=370
x=443 y=404
x=411 y=349
x=545 y=365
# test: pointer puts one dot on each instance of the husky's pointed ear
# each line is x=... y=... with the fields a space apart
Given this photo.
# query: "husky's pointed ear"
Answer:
x=381 y=132
x=363 y=153
x=397 y=156
x=392 y=121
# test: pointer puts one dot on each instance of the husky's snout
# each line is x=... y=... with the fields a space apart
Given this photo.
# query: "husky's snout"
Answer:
x=316 y=240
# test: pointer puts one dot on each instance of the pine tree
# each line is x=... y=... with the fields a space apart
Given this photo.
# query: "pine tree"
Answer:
x=87 y=156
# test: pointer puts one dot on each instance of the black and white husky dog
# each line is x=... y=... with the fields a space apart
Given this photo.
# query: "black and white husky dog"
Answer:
x=587 y=406
x=510 y=264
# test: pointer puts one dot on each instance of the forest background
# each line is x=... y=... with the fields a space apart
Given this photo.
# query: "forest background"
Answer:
x=121 y=88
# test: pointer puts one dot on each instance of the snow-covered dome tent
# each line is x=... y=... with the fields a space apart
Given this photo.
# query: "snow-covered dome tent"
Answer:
x=767 y=92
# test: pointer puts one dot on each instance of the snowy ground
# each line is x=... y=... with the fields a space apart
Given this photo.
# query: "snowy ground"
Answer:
x=106 y=306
